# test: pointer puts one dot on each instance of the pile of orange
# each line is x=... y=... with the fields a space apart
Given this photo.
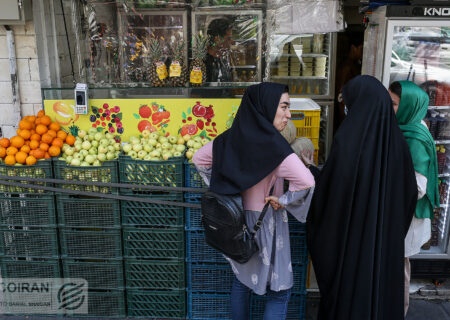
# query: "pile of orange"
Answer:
x=37 y=138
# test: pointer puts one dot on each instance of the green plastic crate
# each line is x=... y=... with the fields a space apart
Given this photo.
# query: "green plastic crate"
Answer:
x=94 y=243
x=32 y=243
x=153 y=243
x=150 y=214
x=37 y=268
x=75 y=211
x=167 y=173
x=41 y=170
x=156 y=305
x=153 y=274
x=101 y=274
x=30 y=210
x=106 y=173
x=104 y=304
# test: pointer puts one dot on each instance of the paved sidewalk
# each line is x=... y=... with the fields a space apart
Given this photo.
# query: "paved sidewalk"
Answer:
x=419 y=309
x=427 y=302
x=424 y=309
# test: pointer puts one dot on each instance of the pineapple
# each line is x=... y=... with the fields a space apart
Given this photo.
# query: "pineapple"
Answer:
x=178 y=69
x=158 y=71
x=198 y=68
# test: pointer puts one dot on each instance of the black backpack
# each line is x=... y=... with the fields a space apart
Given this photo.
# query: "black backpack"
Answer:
x=223 y=218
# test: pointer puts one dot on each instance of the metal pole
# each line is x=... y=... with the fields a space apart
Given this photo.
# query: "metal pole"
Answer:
x=13 y=73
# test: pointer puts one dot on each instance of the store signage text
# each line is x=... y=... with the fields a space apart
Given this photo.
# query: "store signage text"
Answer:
x=436 y=12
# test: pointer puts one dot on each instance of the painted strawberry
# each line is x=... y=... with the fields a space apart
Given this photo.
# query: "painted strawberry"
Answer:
x=209 y=113
x=155 y=107
x=200 y=124
x=198 y=110
x=157 y=118
x=144 y=124
x=190 y=129
x=145 y=111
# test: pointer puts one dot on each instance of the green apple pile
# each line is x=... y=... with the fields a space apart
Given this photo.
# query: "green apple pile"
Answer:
x=91 y=149
x=153 y=146
x=193 y=144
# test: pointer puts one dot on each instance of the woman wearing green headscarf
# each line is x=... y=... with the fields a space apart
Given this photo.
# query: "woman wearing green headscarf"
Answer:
x=410 y=103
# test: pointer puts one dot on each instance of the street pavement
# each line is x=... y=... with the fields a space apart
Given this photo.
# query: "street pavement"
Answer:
x=427 y=302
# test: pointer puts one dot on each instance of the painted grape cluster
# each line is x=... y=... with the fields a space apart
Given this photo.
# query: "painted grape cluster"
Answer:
x=107 y=119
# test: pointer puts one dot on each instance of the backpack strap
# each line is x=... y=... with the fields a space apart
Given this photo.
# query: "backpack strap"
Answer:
x=263 y=213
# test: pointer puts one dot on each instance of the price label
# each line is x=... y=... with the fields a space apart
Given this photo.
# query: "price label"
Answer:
x=175 y=69
x=161 y=70
x=196 y=75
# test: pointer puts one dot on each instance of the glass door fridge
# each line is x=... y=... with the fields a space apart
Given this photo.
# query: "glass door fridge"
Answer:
x=305 y=62
x=418 y=49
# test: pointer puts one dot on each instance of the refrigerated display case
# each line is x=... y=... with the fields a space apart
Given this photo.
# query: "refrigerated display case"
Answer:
x=305 y=63
x=137 y=27
x=403 y=43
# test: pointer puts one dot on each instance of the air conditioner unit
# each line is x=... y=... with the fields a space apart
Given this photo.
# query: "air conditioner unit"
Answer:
x=15 y=12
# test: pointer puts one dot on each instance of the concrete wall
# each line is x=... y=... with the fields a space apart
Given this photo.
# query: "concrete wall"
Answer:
x=28 y=77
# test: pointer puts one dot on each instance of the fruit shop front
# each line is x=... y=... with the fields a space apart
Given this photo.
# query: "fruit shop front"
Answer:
x=103 y=209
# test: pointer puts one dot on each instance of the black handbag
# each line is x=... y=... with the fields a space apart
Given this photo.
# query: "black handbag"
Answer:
x=223 y=218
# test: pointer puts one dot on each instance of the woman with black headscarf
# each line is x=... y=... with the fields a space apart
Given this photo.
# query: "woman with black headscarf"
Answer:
x=361 y=210
x=250 y=158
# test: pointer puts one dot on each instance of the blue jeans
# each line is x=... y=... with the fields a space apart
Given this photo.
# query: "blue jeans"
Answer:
x=276 y=303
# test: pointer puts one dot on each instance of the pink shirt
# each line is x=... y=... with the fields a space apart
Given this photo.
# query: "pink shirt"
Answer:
x=291 y=169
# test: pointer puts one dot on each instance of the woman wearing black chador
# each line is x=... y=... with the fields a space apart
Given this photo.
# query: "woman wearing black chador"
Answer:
x=362 y=207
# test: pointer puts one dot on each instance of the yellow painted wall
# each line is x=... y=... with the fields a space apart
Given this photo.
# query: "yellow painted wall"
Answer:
x=128 y=117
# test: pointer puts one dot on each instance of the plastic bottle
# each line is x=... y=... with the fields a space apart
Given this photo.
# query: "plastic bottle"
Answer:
x=441 y=125
x=441 y=158
x=446 y=127
x=433 y=124
x=443 y=188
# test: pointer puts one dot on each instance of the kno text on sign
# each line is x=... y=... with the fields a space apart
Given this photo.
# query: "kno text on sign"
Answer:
x=440 y=11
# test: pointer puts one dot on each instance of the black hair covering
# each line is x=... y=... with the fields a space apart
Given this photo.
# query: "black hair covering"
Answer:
x=396 y=88
x=361 y=210
x=252 y=148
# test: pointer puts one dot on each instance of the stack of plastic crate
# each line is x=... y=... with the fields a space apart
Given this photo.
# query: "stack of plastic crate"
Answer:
x=153 y=240
x=28 y=227
x=306 y=118
x=91 y=240
x=209 y=275
x=299 y=258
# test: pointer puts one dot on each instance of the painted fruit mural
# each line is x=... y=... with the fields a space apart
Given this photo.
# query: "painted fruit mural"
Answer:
x=123 y=118
x=198 y=120
x=152 y=117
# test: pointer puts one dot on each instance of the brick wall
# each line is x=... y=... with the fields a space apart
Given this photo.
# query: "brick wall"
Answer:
x=28 y=77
